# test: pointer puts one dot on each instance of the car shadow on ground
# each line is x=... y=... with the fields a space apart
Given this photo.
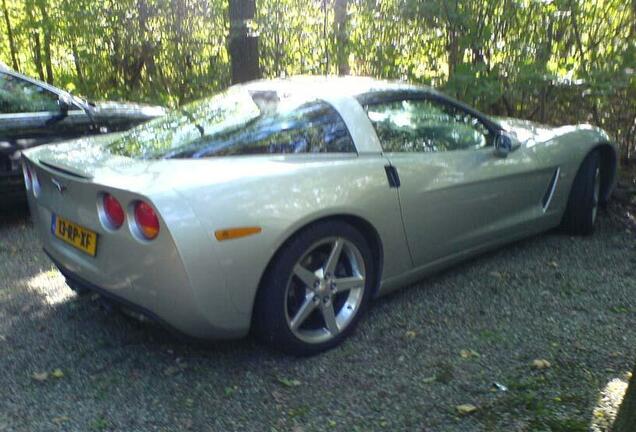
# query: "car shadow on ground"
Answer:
x=417 y=354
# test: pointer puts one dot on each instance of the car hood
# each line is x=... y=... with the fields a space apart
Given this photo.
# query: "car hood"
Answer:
x=530 y=133
x=527 y=131
x=108 y=109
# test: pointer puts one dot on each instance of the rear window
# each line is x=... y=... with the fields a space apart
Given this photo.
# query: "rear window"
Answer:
x=238 y=122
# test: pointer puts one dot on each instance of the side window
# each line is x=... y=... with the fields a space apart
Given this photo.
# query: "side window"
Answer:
x=423 y=125
x=314 y=127
x=19 y=96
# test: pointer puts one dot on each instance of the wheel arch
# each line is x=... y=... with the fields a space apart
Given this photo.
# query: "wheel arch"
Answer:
x=609 y=161
x=365 y=227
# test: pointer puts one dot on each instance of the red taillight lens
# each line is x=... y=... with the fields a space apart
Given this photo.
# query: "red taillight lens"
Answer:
x=147 y=220
x=113 y=210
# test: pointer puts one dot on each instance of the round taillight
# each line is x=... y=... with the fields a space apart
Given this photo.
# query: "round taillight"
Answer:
x=27 y=176
x=113 y=211
x=147 y=220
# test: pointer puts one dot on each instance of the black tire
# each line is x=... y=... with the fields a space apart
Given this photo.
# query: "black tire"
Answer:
x=583 y=203
x=272 y=322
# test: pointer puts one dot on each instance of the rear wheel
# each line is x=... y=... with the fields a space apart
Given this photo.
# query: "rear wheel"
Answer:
x=583 y=202
x=315 y=290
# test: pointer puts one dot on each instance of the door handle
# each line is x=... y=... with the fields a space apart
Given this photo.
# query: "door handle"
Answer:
x=392 y=176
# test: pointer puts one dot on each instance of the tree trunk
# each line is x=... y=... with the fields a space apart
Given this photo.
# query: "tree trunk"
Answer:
x=46 y=24
x=146 y=51
x=35 y=36
x=242 y=44
x=7 y=21
x=77 y=62
x=341 y=35
x=626 y=417
x=452 y=48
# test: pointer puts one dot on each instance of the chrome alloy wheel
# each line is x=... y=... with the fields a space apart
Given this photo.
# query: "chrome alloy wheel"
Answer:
x=325 y=290
x=596 y=193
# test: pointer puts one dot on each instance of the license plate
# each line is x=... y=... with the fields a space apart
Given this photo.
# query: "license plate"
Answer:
x=74 y=234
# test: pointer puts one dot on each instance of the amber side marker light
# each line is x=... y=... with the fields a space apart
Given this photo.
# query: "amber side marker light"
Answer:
x=234 y=233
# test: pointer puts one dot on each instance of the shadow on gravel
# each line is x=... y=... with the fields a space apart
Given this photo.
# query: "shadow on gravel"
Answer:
x=13 y=213
x=417 y=354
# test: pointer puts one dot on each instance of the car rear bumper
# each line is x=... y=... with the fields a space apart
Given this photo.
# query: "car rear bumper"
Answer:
x=172 y=279
x=180 y=316
x=77 y=283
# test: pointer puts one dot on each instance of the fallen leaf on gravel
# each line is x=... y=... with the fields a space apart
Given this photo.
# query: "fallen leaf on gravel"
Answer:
x=541 y=364
x=40 y=376
x=468 y=353
x=57 y=373
x=496 y=274
x=59 y=420
x=289 y=382
x=553 y=264
x=410 y=334
x=229 y=391
x=171 y=370
x=500 y=386
x=332 y=423
x=465 y=409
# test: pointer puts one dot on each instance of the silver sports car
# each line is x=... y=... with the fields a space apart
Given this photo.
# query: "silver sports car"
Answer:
x=285 y=206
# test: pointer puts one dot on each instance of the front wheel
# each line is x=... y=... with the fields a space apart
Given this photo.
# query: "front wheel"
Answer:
x=315 y=290
x=582 y=208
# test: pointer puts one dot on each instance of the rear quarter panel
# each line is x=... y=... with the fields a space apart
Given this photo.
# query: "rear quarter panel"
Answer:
x=282 y=195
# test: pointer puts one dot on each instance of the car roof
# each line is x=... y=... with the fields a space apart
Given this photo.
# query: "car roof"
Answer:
x=351 y=86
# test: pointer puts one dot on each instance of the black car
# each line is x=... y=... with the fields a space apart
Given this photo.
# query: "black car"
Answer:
x=34 y=113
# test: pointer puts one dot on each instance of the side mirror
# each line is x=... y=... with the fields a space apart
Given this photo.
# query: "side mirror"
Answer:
x=505 y=144
x=63 y=103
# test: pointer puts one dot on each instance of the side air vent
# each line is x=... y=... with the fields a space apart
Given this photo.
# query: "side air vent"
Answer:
x=549 y=193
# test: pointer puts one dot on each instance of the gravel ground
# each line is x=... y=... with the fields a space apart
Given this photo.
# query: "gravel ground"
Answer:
x=417 y=355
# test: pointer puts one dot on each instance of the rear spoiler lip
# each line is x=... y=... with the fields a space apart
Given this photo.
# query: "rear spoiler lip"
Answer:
x=64 y=169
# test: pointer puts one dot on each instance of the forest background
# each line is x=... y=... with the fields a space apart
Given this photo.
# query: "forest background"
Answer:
x=551 y=61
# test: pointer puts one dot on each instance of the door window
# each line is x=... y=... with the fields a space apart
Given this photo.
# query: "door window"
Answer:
x=424 y=125
x=20 y=96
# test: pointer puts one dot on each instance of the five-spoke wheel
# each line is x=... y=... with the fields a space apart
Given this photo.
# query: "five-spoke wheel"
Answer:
x=325 y=290
x=314 y=292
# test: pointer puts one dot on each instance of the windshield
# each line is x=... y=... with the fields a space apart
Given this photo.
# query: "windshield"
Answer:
x=169 y=134
x=238 y=122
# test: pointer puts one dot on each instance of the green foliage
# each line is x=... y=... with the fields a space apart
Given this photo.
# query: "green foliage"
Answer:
x=554 y=61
